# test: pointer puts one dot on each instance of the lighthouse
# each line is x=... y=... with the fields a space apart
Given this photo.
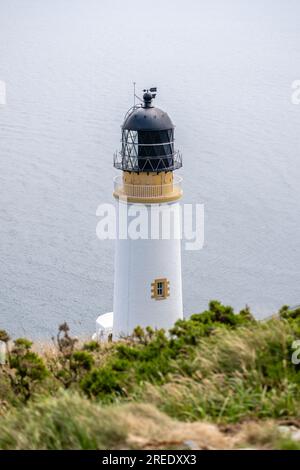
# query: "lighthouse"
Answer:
x=147 y=268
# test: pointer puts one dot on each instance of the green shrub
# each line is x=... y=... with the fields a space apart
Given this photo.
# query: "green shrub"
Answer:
x=292 y=316
x=70 y=365
x=105 y=383
x=150 y=356
x=91 y=346
x=25 y=368
x=81 y=360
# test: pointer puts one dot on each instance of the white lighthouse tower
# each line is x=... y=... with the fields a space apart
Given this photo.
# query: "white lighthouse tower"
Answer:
x=147 y=281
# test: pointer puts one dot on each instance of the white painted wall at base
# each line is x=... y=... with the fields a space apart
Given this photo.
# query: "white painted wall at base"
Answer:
x=104 y=326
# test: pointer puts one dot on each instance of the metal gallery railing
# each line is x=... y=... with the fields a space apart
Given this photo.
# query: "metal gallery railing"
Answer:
x=127 y=162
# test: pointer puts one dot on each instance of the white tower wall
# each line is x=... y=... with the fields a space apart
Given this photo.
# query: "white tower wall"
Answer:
x=138 y=263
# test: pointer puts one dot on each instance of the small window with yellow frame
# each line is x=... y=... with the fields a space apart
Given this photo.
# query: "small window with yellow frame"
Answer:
x=160 y=289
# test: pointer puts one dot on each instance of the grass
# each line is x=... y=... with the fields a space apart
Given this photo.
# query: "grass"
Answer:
x=64 y=422
x=70 y=421
x=218 y=380
x=234 y=375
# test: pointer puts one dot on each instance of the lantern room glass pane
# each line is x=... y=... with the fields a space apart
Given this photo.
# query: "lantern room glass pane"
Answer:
x=148 y=150
x=155 y=149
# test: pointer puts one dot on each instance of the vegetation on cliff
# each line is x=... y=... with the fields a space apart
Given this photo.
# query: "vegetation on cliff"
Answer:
x=217 y=380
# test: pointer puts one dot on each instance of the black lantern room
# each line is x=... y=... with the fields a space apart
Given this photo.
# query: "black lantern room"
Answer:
x=147 y=140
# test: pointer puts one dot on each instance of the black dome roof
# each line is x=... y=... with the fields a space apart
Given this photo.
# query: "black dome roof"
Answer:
x=148 y=119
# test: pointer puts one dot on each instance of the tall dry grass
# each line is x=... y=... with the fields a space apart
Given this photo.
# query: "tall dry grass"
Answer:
x=235 y=375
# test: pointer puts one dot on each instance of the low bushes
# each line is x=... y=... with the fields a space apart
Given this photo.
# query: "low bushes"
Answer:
x=218 y=365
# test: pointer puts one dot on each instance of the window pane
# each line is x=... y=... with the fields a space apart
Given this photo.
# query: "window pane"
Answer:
x=160 y=289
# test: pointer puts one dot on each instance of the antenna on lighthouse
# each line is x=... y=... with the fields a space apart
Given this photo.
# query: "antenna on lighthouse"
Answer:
x=152 y=91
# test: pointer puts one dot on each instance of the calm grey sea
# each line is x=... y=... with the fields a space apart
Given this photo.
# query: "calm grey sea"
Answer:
x=224 y=71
